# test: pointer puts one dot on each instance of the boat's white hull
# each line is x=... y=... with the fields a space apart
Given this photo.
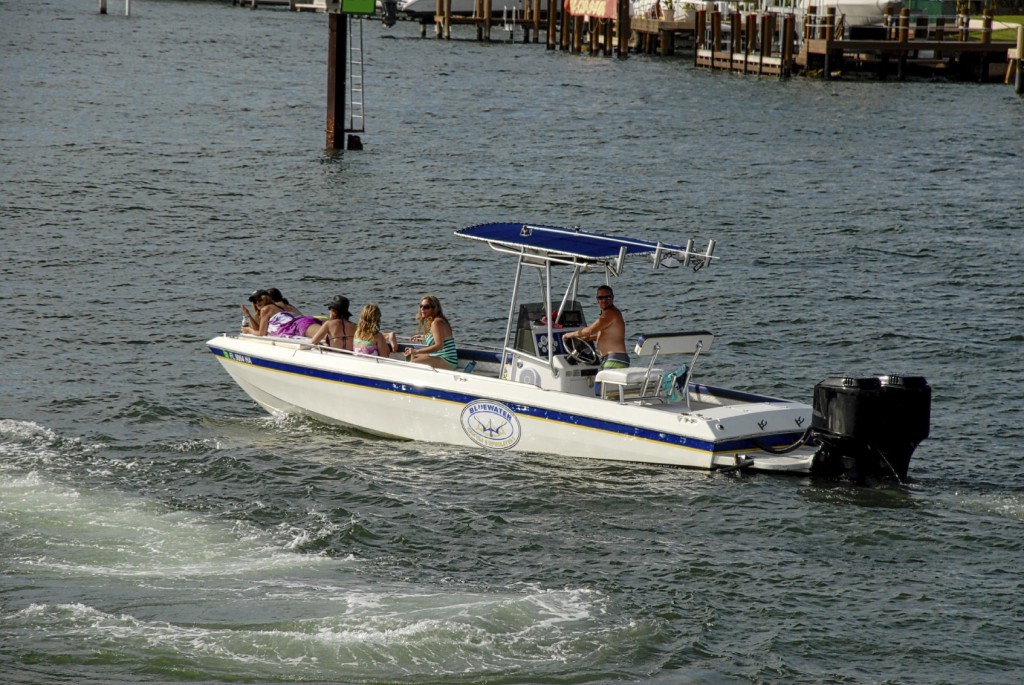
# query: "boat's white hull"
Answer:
x=396 y=399
x=855 y=12
x=499 y=8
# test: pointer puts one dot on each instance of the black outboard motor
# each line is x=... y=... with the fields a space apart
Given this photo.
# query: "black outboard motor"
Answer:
x=868 y=428
x=390 y=14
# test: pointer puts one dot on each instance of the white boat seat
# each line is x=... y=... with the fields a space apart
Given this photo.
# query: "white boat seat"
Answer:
x=629 y=382
x=690 y=342
x=673 y=343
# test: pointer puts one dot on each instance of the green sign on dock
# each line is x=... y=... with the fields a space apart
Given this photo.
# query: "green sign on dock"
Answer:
x=358 y=6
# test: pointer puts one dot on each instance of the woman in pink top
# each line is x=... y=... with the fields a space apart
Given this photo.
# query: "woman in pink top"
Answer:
x=368 y=339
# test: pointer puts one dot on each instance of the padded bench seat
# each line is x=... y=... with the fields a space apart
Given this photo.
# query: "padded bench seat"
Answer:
x=629 y=376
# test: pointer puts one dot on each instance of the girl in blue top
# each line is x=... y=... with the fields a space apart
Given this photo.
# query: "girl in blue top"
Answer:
x=438 y=348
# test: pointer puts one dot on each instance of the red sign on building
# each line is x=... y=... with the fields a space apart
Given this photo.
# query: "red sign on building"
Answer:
x=604 y=9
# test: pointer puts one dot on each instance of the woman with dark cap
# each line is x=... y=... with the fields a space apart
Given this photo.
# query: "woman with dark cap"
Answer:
x=337 y=330
x=252 y=321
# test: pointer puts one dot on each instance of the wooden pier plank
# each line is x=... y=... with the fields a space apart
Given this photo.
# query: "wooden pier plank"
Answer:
x=821 y=46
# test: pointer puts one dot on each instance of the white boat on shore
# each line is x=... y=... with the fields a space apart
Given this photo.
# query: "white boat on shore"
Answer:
x=537 y=393
x=508 y=9
x=854 y=12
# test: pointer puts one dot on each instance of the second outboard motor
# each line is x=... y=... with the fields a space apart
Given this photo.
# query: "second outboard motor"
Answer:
x=390 y=14
x=868 y=428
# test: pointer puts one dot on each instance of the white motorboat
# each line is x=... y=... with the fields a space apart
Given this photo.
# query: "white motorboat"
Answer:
x=854 y=12
x=538 y=392
x=508 y=9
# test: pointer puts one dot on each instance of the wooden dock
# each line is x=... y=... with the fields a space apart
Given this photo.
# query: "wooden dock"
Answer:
x=759 y=43
x=920 y=47
x=769 y=43
x=753 y=44
x=256 y=4
x=564 y=30
x=652 y=35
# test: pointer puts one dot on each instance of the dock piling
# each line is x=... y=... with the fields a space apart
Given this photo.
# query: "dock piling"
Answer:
x=337 y=51
x=127 y=7
x=1015 y=61
x=762 y=43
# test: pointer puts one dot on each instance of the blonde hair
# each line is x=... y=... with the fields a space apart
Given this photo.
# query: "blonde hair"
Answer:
x=369 y=323
x=423 y=322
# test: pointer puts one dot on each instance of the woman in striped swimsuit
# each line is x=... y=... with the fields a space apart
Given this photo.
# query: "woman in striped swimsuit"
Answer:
x=438 y=342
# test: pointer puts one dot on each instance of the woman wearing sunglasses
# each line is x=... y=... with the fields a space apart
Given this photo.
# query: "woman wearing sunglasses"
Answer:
x=438 y=348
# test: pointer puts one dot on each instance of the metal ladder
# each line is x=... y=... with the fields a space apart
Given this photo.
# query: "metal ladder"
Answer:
x=356 y=118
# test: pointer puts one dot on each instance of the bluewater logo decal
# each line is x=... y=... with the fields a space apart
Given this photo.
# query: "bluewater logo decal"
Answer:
x=491 y=424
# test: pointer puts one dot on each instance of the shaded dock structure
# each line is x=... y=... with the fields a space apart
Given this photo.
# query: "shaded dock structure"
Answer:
x=771 y=41
x=902 y=46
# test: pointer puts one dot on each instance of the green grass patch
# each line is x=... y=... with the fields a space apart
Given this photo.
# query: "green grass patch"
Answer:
x=1000 y=34
x=1007 y=34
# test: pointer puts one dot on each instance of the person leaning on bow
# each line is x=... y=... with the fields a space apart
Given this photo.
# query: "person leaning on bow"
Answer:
x=276 y=322
x=281 y=302
x=252 y=320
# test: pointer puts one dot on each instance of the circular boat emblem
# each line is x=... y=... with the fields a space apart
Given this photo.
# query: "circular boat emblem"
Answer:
x=491 y=424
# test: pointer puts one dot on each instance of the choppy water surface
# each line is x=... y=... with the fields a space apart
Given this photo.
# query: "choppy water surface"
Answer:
x=156 y=527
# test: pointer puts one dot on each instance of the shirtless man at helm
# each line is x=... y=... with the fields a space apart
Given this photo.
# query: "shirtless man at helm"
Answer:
x=609 y=330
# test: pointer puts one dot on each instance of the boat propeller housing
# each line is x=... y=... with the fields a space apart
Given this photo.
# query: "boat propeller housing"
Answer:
x=868 y=428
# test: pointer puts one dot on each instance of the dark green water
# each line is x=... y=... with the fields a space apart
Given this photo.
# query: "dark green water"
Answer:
x=156 y=527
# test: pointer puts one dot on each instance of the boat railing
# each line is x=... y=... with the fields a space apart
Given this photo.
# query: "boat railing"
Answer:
x=469 y=355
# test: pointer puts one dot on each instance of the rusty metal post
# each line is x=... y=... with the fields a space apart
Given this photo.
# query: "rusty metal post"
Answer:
x=337 y=65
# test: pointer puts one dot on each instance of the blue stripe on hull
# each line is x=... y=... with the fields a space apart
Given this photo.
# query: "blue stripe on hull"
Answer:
x=743 y=444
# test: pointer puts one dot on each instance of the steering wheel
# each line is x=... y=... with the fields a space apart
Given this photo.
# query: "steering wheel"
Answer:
x=580 y=350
